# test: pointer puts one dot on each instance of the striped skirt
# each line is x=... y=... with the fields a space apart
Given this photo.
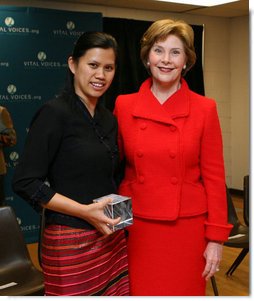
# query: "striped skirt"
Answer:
x=82 y=262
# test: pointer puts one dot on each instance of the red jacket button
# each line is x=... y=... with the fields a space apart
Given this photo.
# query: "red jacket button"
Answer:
x=143 y=126
x=172 y=155
x=141 y=179
x=174 y=180
x=172 y=128
x=140 y=154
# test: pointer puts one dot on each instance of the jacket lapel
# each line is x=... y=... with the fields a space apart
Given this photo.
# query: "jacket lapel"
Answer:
x=148 y=107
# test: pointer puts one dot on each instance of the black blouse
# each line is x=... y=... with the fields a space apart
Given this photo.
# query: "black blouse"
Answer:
x=69 y=152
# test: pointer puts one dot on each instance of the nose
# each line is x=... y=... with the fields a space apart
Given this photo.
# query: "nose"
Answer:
x=166 y=58
x=100 y=73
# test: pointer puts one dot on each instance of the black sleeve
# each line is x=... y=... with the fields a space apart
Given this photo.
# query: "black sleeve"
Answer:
x=41 y=146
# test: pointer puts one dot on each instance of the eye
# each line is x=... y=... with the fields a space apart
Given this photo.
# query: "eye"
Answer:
x=93 y=65
x=157 y=50
x=175 y=52
x=109 y=68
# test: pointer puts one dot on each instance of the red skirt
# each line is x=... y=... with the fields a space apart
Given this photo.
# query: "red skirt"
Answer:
x=81 y=262
x=166 y=258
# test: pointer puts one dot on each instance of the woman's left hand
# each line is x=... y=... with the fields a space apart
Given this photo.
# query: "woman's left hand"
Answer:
x=213 y=255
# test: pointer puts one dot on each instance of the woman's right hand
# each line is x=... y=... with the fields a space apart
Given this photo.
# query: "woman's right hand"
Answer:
x=94 y=214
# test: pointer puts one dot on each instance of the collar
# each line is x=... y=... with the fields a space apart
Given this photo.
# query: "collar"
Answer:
x=148 y=107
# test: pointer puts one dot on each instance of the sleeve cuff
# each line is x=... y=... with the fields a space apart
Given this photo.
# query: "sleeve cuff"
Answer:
x=217 y=232
x=42 y=196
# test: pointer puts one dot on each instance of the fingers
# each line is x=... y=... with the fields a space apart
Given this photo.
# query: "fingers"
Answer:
x=105 y=226
x=114 y=221
x=103 y=223
x=213 y=255
x=105 y=202
x=107 y=219
x=110 y=223
x=210 y=269
x=105 y=230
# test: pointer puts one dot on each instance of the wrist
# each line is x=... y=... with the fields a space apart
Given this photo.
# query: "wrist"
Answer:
x=217 y=242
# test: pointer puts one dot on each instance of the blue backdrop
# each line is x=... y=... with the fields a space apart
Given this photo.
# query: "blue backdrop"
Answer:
x=35 y=45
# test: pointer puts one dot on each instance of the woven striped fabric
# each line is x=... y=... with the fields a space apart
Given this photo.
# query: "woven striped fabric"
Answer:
x=81 y=262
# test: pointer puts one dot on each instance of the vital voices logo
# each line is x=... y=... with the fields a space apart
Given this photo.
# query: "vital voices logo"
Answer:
x=41 y=56
x=42 y=61
x=70 y=25
x=11 y=89
x=4 y=64
x=10 y=28
x=14 y=156
x=9 y=21
x=12 y=94
x=69 y=30
x=13 y=160
x=27 y=228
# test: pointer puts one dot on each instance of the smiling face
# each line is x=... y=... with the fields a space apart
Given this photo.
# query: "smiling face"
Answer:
x=166 y=61
x=93 y=72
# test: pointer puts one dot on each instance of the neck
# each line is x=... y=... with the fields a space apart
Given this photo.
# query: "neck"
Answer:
x=162 y=93
x=90 y=105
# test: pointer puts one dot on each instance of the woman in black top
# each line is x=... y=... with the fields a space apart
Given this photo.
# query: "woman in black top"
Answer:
x=69 y=159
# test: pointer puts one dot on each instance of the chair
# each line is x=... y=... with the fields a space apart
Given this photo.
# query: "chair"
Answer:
x=18 y=275
x=239 y=235
x=214 y=285
x=246 y=202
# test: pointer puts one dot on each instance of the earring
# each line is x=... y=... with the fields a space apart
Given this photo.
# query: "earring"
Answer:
x=184 y=67
x=148 y=64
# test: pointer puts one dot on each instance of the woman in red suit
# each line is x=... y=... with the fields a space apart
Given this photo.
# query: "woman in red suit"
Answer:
x=171 y=140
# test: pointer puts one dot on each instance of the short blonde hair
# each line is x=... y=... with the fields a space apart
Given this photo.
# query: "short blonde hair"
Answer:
x=160 y=30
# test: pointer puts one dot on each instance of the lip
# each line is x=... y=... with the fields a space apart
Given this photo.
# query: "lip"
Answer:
x=165 y=69
x=97 y=85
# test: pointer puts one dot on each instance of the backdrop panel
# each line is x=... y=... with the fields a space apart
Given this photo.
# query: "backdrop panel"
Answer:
x=35 y=45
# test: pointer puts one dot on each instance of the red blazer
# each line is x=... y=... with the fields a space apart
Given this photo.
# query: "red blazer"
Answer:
x=174 y=157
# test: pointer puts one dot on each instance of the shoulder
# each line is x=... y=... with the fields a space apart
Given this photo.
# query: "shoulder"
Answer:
x=5 y=117
x=202 y=102
x=125 y=102
x=196 y=99
x=128 y=100
x=124 y=99
x=56 y=108
x=4 y=111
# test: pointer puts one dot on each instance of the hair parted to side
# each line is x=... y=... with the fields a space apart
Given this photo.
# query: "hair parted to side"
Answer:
x=94 y=39
x=160 y=30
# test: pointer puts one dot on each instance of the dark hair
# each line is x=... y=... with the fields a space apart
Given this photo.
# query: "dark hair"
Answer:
x=93 y=39
x=89 y=40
